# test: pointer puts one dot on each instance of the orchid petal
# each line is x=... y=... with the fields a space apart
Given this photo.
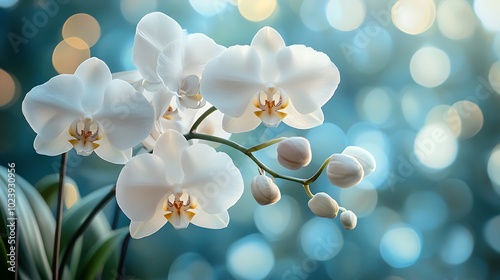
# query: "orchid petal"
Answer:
x=144 y=229
x=160 y=100
x=109 y=152
x=141 y=187
x=154 y=32
x=169 y=66
x=199 y=50
x=125 y=114
x=95 y=76
x=308 y=77
x=213 y=221
x=50 y=108
x=54 y=146
x=302 y=121
x=132 y=77
x=211 y=178
x=246 y=122
x=169 y=147
x=232 y=79
x=268 y=42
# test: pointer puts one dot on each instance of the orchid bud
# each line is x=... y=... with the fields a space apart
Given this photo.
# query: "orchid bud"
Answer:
x=344 y=171
x=264 y=190
x=294 y=152
x=349 y=220
x=364 y=158
x=323 y=205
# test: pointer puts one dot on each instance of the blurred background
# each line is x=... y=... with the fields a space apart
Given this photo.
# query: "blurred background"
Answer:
x=420 y=85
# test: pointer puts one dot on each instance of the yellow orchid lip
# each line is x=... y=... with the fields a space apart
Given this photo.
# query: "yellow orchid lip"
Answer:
x=178 y=212
x=85 y=132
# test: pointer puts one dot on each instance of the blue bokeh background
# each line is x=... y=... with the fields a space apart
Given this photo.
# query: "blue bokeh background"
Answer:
x=430 y=211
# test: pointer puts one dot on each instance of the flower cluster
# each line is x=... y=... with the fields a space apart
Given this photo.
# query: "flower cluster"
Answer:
x=188 y=92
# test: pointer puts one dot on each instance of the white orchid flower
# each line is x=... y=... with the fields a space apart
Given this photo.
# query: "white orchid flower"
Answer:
x=269 y=82
x=88 y=111
x=180 y=184
x=168 y=58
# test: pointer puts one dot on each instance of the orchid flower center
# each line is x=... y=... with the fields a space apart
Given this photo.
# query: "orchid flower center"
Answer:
x=85 y=132
x=172 y=114
x=179 y=208
x=270 y=101
x=189 y=93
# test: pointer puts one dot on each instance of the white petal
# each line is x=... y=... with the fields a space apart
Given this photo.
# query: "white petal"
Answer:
x=199 y=50
x=154 y=32
x=109 y=152
x=141 y=187
x=246 y=122
x=211 y=178
x=169 y=147
x=302 y=121
x=144 y=229
x=95 y=76
x=232 y=79
x=169 y=67
x=212 y=125
x=213 y=221
x=180 y=220
x=132 y=77
x=267 y=41
x=53 y=147
x=50 y=108
x=308 y=77
x=126 y=115
x=160 y=100
x=140 y=229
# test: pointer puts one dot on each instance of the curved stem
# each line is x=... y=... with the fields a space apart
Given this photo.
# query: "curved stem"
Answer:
x=116 y=217
x=318 y=172
x=265 y=144
x=83 y=227
x=308 y=191
x=245 y=151
x=123 y=254
x=201 y=118
x=59 y=210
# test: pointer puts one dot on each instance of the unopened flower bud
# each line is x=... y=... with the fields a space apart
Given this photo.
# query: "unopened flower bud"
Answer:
x=294 y=152
x=323 y=205
x=344 y=171
x=364 y=158
x=264 y=190
x=349 y=220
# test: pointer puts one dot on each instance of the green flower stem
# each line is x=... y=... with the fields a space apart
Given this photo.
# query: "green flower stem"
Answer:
x=201 y=118
x=308 y=191
x=265 y=144
x=59 y=210
x=83 y=227
x=123 y=254
x=248 y=153
x=318 y=173
x=342 y=209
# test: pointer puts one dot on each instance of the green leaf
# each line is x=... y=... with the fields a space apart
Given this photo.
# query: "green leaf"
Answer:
x=32 y=254
x=74 y=217
x=98 y=255
x=4 y=266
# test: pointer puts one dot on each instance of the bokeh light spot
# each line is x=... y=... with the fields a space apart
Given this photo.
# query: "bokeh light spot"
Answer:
x=400 y=246
x=493 y=167
x=208 y=7
x=250 y=258
x=375 y=105
x=83 y=26
x=191 y=266
x=133 y=10
x=7 y=88
x=455 y=19
x=66 y=57
x=458 y=245
x=361 y=199
x=277 y=220
x=345 y=15
x=256 y=10
x=430 y=66
x=487 y=12
x=321 y=239
x=8 y=3
x=465 y=118
x=494 y=76
x=413 y=17
x=312 y=17
x=427 y=217
x=436 y=146
x=492 y=232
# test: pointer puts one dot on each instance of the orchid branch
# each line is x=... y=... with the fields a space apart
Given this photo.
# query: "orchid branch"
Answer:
x=59 y=210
